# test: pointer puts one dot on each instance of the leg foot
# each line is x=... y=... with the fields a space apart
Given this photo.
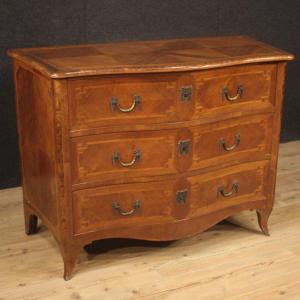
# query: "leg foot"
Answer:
x=263 y=216
x=70 y=259
x=31 y=222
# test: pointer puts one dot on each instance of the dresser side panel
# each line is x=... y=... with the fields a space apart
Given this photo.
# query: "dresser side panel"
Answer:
x=35 y=114
x=279 y=97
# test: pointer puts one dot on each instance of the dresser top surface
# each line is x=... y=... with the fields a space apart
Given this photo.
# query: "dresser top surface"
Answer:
x=148 y=56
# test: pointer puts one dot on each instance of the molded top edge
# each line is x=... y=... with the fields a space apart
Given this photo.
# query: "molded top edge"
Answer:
x=186 y=54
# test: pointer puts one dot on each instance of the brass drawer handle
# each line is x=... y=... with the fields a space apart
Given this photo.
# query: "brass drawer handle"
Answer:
x=115 y=104
x=239 y=93
x=117 y=158
x=230 y=148
x=117 y=207
x=234 y=190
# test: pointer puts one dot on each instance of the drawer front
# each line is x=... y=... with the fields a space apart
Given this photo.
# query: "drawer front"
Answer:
x=108 y=102
x=228 y=187
x=167 y=201
x=123 y=156
x=234 y=89
x=126 y=157
x=233 y=141
x=124 y=205
x=127 y=100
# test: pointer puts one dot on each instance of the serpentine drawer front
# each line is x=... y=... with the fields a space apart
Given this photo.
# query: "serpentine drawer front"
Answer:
x=150 y=99
x=166 y=201
x=122 y=100
x=238 y=88
x=117 y=158
x=155 y=140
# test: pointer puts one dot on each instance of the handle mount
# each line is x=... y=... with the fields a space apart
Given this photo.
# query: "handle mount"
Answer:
x=239 y=93
x=136 y=101
x=234 y=190
x=116 y=158
x=237 y=138
x=117 y=207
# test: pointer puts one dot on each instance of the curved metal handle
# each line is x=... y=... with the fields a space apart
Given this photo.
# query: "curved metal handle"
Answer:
x=234 y=189
x=114 y=102
x=239 y=93
x=230 y=148
x=117 y=207
x=117 y=158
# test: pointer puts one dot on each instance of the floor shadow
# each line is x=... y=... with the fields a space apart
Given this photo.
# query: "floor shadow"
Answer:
x=102 y=246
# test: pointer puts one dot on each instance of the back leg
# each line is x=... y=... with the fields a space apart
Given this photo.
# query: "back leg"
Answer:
x=31 y=222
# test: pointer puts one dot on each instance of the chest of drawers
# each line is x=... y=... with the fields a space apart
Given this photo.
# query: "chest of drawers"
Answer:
x=155 y=140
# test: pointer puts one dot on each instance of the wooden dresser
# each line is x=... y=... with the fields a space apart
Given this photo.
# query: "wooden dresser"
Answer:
x=155 y=140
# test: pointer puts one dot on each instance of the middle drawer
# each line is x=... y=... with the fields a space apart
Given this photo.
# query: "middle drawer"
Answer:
x=127 y=157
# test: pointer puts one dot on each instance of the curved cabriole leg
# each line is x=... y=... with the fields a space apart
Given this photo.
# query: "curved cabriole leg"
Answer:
x=31 y=222
x=263 y=217
x=70 y=258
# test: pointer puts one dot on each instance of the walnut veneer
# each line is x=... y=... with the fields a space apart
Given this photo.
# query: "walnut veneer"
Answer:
x=153 y=140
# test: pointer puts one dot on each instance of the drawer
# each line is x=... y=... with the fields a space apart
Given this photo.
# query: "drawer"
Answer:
x=161 y=202
x=228 y=187
x=233 y=141
x=122 y=205
x=234 y=89
x=127 y=100
x=108 y=102
x=127 y=157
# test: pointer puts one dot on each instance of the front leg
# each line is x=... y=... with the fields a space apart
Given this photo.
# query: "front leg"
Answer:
x=263 y=217
x=70 y=256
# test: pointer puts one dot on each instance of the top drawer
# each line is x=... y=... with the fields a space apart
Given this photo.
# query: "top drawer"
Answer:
x=123 y=100
x=233 y=89
x=166 y=98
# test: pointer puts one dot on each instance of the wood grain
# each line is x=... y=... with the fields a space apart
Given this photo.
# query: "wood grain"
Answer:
x=148 y=56
x=36 y=137
x=217 y=264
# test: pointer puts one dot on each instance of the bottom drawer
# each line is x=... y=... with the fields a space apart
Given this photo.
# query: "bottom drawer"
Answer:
x=166 y=201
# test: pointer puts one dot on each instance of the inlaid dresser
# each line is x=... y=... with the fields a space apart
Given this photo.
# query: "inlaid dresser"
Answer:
x=155 y=140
